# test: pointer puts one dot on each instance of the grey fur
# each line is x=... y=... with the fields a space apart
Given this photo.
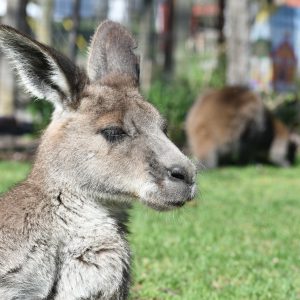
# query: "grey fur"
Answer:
x=63 y=230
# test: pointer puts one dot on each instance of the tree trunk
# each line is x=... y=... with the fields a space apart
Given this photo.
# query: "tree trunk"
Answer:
x=75 y=29
x=44 y=26
x=146 y=45
x=168 y=47
x=237 y=38
x=16 y=17
x=221 y=21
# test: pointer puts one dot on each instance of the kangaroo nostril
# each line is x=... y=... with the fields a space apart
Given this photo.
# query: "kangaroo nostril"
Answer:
x=178 y=173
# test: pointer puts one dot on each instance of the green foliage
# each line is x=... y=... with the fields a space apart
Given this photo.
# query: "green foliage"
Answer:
x=285 y=106
x=41 y=112
x=238 y=240
x=173 y=100
x=289 y=113
x=174 y=97
x=11 y=172
x=218 y=77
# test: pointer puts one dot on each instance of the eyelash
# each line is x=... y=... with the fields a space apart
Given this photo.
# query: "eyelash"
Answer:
x=113 y=134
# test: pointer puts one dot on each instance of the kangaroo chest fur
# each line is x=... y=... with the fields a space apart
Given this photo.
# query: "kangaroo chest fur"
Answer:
x=78 y=252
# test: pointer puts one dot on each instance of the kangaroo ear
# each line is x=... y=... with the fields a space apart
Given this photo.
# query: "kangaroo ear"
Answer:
x=45 y=72
x=112 y=52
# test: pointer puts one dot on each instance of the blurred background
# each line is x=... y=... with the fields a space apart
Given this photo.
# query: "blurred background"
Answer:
x=225 y=74
x=186 y=47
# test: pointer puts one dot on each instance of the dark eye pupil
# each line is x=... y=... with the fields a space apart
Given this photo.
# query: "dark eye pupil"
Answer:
x=113 y=134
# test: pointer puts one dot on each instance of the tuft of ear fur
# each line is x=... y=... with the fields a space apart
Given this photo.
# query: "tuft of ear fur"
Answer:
x=112 y=53
x=44 y=72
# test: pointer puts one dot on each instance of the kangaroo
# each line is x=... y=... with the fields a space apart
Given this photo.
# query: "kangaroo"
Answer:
x=63 y=230
x=233 y=125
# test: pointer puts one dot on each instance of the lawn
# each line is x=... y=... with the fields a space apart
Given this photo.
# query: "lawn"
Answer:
x=239 y=240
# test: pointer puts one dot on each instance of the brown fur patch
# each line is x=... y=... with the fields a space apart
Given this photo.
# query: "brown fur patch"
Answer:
x=234 y=123
x=111 y=118
x=118 y=81
x=281 y=130
x=57 y=130
x=218 y=117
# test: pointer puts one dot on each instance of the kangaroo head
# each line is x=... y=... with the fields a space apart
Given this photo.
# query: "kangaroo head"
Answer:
x=104 y=138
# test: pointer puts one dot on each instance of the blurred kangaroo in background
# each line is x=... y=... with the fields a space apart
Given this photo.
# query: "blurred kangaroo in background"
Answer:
x=232 y=125
x=62 y=231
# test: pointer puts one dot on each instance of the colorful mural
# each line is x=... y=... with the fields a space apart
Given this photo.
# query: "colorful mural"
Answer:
x=275 y=40
x=284 y=66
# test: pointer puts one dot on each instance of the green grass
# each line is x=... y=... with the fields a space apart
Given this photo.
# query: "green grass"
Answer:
x=239 y=240
x=11 y=172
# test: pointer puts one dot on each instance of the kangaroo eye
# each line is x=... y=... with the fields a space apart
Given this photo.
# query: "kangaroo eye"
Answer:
x=113 y=134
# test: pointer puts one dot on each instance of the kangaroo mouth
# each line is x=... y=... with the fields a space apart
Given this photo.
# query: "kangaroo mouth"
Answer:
x=163 y=207
x=168 y=196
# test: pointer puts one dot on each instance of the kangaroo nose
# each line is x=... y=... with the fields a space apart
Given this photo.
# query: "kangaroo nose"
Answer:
x=180 y=174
